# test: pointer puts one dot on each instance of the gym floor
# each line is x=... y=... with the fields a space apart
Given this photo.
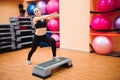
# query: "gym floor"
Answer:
x=85 y=66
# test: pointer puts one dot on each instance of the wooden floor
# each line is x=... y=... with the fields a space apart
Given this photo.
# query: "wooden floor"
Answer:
x=85 y=66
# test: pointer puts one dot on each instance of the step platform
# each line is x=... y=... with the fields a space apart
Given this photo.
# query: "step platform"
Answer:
x=44 y=70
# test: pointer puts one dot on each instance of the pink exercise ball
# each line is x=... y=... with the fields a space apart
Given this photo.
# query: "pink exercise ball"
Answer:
x=102 y=44
x=118 y=3
x=42 y=6
x=106 y=5
x=56 y=37
x=54 y=0
x=53 y=6
x=58 y=44
x=101 y=22
x=53 y=24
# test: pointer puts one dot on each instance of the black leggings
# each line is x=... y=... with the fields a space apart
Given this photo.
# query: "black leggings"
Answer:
x=36 y=42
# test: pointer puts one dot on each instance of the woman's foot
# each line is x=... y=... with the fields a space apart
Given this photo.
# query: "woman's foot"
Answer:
x=56 y=59
x=28 y=62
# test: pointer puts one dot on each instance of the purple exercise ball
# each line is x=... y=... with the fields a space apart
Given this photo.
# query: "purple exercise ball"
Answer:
x=117 y=23
x=42 y=6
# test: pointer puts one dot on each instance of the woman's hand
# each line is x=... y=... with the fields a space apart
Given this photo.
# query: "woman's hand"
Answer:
x=53 y=15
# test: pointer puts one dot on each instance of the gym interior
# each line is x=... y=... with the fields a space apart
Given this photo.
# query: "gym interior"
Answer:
x=87 y=33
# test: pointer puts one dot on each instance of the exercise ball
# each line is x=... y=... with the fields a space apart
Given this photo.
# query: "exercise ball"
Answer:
x=48 y=34
x=101 y=22
x=56 y=36
x=42 y=6
x=118 y=3
x=44 y=44
x=106 y=5
x=117 y=23
x=30 y=8
x=53 y=6
x=57 y=44
x=53 y=24
x=54 y=0
x=102 y=44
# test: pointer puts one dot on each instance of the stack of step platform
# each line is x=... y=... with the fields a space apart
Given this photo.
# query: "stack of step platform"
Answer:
x=24 y=31
x=7 y=38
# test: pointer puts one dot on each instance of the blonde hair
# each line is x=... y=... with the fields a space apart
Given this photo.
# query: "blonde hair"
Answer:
x=35 y=9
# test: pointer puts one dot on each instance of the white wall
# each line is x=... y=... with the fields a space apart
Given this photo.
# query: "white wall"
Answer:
x=74 y=24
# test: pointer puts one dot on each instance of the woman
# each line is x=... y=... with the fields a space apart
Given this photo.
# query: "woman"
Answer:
x=40 y=33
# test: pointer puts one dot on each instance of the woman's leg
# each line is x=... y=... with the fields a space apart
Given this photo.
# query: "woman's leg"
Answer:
x=34 y=47
x=53 y=46
x=52 y=43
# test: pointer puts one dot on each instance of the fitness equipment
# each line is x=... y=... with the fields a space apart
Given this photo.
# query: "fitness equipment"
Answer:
x=101 y=22
x=48 y=34
x=52 y=6
x=44 y=44
x=117 y=23
x=44 y=70
x=57 y=44
x=30 y=8
x=53 y=24
x=118 y=3
x=7 y=38
x=102 y=44
x=17 y=23
x=24 y=32
x=56 y=37
x=24 y=36
x=42 y=6
x=107 y=5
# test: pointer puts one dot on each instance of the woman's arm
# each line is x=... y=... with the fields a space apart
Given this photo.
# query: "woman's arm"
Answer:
x=53 y=15
x=38 y=18
x=48 y=17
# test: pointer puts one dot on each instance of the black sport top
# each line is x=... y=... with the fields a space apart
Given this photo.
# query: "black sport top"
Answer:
x=41 y=24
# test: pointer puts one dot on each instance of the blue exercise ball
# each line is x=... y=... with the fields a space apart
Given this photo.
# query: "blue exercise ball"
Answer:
x=44 y=44
x=48 y=34
x=30 y=8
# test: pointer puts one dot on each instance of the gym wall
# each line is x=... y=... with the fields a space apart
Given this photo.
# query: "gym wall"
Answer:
x=8 y=8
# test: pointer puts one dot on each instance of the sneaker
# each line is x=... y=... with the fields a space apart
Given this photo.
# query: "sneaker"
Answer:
x=56 y=59
x=28 y=62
